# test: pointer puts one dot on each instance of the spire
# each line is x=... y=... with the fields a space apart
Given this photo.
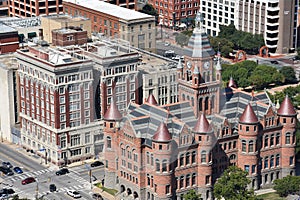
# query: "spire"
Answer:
x=232 y=83
x=151 y=100
x=202 y=125
x=248 y=116
x=199 y=46
x=162 y=134
x=286 y=107
x=179 y=65
x=112 y=113
x=219 y=66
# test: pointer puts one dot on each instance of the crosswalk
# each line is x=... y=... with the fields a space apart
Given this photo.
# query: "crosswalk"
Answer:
x=65 y=189
x=27 y=174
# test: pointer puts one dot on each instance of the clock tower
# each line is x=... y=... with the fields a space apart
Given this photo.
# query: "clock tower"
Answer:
x=200 y=77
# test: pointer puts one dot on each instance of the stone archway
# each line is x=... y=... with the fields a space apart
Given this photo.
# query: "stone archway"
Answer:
x=129 y=192
x=240 y=56
x=264 y=52
x=135 y=195
x=123 y=189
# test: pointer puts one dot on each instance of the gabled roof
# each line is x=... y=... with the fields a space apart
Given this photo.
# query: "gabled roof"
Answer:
x=286 y=107
x=112 y=113
x=202 y=125
x=162 y=134
x=248 y=116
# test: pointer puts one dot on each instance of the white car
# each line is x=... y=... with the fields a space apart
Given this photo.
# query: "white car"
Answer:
x=4 y=196
x=73 y=193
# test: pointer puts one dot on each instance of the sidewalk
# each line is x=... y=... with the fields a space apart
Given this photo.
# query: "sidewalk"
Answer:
x=105 y=195
x=264 y=191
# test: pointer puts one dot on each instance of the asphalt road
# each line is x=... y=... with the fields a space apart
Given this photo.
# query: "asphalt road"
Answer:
x=78 y=178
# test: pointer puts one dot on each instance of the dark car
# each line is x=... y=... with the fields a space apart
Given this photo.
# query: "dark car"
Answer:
x=274 y=62
x=6 y=171
x=97 y=163
x=62 y=172
x=28 y=180
x=97 y=196
x=52 y=187
x=18 y=170
x=7 y=164
x=7 y=191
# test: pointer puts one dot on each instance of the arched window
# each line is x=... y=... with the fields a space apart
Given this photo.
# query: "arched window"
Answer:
x=277 y=159
x=194 y=179
x=192 y=100
x=287 y=138
x=194 y=157
x=266 y=141
x=272 y=161
x=277 y=138
x=181 y=160
x=272 y=140
x=187 y=158
x=251 y=146
x=266 y=162
x=157 y=165
x=206 y=103
x=243 y=146
x=212 y=102
x=183 y=97
x=203 y=156
x=200 y=104
x=187 y=180
x=164 y=166
x=108 y=140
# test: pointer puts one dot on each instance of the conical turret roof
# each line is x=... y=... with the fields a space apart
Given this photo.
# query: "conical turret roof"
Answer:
x=219 y=66
x=151 y=100
x=162 y=134
x=202 y=125
x=179 y=65
x=112 y=113
x=248 y=116
x=286 y=107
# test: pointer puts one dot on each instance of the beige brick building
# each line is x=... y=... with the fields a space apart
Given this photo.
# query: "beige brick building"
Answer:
x=51 y=22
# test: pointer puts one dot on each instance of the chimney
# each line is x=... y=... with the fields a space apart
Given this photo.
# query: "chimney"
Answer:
x=41 y=35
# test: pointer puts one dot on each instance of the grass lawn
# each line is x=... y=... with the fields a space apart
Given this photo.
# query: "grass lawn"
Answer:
x=108 y=190
x=271 y=196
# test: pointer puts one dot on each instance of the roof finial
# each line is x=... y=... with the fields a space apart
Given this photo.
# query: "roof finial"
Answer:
x=199 y=20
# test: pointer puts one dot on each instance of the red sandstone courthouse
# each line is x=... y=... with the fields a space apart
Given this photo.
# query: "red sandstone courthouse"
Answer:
x=162 y=152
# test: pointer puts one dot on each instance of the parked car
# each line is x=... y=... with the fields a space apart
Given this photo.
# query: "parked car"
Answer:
x=7 y=164
x=97 y=163
x=97 y=196
x=28 y=180
x=7 y=191
x=73 y=193
x=52 y=187
x=274 y=62
x=18 y=170
x=62 y=171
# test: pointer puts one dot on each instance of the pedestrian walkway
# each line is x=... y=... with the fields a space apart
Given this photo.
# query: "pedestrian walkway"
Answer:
x=264 y=191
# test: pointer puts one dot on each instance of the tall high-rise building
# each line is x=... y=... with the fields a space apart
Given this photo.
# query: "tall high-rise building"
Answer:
x=57 y=112
x=275 y=20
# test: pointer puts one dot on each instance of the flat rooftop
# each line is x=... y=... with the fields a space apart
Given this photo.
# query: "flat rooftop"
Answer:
x=6 y=29
x=65 y=18
x=8 y=61
x=110 y=9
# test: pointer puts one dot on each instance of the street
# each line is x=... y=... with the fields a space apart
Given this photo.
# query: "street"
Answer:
x=78 y=178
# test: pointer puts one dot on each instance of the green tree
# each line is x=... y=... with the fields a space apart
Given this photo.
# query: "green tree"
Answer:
x=150 y=10
x=289 y=74
x=192 y=195
x=287 y=185
x=221 y=44
x=182 y=39
x=232 y=185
